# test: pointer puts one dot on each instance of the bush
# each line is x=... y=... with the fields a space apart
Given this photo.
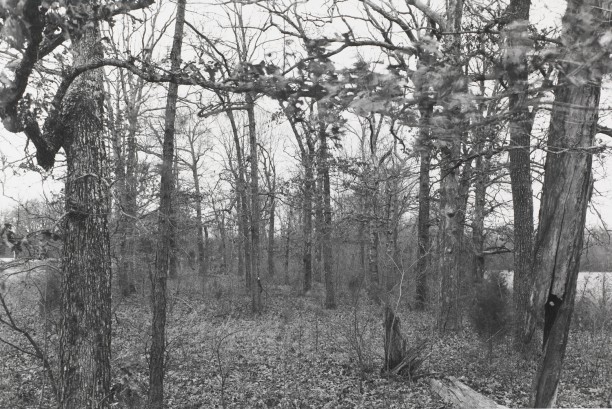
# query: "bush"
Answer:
x=491 y=313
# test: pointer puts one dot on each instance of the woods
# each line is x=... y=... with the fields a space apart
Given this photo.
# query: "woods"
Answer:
x=385 y=187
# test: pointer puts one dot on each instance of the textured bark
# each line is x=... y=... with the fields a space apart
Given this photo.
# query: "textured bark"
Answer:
x=424 y=260
x=515 y=65
x=164 y=246
x=85 y=335
x=450 y=229
x=255 y=208
x=567 y=184
x=326 y=227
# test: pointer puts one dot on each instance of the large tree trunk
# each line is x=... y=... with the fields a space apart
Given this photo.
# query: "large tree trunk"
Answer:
x=450 y=229
x=85 y=338
x=515 y=65
x=164 y=245
x=255 y=208
x=567 y=184
x=288 y=229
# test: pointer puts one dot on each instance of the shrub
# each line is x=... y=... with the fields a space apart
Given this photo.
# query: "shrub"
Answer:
x=491 y=313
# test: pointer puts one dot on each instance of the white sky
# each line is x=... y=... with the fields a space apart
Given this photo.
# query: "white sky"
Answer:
x=22 y=184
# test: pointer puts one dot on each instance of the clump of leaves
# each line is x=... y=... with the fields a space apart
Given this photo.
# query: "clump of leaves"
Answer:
x=491 y=313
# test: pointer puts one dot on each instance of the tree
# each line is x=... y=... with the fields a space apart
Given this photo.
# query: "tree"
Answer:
x=515 y=66
x=568 y=182
x=74 y=123
x=166 y=224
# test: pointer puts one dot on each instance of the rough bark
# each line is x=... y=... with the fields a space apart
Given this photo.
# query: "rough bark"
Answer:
x=424 y=258
x=326 y=227
x=85 y=335
x=567 y=184
x=515 y=65
x=449 y=137
x=164 y=245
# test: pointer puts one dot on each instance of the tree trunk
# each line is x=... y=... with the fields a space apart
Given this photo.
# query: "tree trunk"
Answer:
x=318 y=236
x=85 y=338
x=255 y=208
x=164 y=245
x=271 y=235
x=307 y=224
x=423 y=263
x=480 y=198
x=515 y=65
x=450 y=230
x=241 y=184
x=326 y=226
x=199 y=225
x=567 y=184
x=288 y=244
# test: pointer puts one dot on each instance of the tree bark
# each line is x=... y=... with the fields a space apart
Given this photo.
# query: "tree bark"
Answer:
x=164 y=245
x=241 y=184
x=288 y=229
x=515 y=65
x=450 y=230
x=567 y=184
x=424 y=260
x=326 y=226
x=255 y=208
x=85 y=334
x=307 y=222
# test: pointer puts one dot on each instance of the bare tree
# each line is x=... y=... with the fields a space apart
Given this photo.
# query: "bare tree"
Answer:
x=166 y=224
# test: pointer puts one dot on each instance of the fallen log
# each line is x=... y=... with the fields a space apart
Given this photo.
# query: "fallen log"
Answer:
x=460 y=395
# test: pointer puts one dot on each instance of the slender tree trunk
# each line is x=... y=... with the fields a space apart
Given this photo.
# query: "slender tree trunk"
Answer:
x=318 y=236
x=271 y=231
x=241 y=184
x=480 y=191
x=288 y=245
x=255 y=208
x=199 y=224
x=307 y=224
x=164 y=245
x=223 y=243
x=567 y=184
x=515 y=65
x=326 y=226
x=85 y=334
x=424 y=260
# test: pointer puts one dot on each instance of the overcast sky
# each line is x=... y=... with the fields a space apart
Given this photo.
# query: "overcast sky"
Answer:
x=18 y=184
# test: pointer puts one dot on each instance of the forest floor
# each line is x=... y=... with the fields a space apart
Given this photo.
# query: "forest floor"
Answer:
x=296 y=354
